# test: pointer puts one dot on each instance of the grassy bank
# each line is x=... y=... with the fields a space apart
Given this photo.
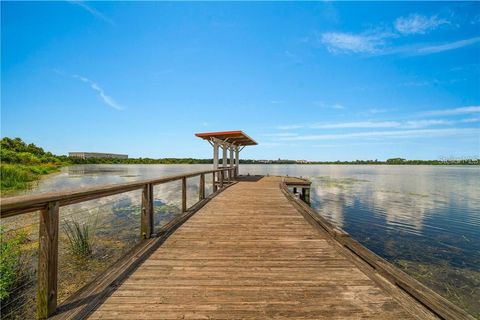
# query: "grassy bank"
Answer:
x=18 y=176
x=22 y=164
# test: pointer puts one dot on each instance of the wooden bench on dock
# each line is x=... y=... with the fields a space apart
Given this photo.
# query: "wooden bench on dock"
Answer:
x=250 y=250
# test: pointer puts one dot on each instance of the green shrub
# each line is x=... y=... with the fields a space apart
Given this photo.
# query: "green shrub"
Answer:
x=10 y=261
x=15 y=177
x=80 y=237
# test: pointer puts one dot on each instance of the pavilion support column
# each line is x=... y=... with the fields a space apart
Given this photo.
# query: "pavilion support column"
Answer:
x=237 y=160
x=215 y=155
x=215 y=164
x=224 y=161
x=231 y=163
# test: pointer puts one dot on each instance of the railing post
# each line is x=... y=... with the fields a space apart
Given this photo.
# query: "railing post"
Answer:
x=221 y=178
x=214 y=182
x=146 y=223
x=184 y=194
x=48 y=261
x=201 y=190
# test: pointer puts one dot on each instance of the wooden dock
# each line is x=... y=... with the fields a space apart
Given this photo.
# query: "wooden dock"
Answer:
x=250 y=250
x=249 y=253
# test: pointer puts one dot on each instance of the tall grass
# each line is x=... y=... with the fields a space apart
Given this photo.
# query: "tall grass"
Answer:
x=10 y=261
x=80 y=237
x=17 y=177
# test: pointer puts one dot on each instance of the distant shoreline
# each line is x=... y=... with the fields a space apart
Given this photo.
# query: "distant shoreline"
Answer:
x=74 y=161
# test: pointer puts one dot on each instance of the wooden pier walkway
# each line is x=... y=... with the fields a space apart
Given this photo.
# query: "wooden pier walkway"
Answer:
x=250 y=250
x=249 y=253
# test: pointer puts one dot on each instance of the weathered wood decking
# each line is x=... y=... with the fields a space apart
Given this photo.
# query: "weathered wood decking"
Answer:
x=249 y=253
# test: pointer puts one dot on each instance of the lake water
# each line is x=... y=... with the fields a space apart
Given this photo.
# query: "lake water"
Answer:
x=424 y=219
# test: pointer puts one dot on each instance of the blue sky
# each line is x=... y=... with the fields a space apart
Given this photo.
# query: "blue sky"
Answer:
x=307 y=80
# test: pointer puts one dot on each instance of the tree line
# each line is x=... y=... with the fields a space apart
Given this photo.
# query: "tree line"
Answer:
x=16 y=151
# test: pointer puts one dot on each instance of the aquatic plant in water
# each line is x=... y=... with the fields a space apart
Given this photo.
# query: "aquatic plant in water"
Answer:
x=80 y=237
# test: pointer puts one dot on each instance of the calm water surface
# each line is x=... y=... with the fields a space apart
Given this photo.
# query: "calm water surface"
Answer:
x=424 y=219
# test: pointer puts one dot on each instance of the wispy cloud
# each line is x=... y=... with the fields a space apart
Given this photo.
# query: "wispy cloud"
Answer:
x=408 y=124
x=281 y=134
x=447 y=46
x=393 y=124
x=388 y=134
x=378 y=41
x=378 y=110
x=360 y=124
x=470 y=120
x=290 y=126
x=368 y=42
x=92 y=11
x=454 y=111
x=414 y=124
x=108 y=100
x=418 y=24
x=294 y=58
x=337 y=106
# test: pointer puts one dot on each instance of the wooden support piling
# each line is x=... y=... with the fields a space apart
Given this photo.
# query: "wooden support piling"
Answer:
x=201 y=190
x=214 y=182
x=184 y=194
x=48 y=261
x=146 y=223
x=221 y=178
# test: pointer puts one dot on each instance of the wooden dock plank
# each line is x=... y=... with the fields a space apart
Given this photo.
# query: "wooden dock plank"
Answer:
x=249 y=253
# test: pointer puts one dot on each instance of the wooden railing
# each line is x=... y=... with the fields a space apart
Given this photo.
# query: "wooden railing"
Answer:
x=49 y=206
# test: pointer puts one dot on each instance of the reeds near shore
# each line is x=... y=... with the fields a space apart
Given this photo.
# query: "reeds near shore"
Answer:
x=80 y=237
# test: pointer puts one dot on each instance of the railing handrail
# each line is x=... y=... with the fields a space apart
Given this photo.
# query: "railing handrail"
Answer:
x=23 y=204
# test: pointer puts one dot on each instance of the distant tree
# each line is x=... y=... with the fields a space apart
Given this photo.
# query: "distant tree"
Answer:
x=396 y=161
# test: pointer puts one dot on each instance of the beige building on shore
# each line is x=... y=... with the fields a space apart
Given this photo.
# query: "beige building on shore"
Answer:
x=85 y=155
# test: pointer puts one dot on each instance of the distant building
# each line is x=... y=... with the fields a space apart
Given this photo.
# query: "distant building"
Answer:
x=85 y=155
x=263 y=161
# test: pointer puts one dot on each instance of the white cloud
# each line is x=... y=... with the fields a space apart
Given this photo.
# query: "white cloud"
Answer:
x=92 y=11
x=322 y=104
x=290 y=127
x=339 y=42
x=411 y=124
x=281 y=134
x=361 y=124
x=390 y=134
x=414 y=124
x=418 y=24
x=447 y=46
x=470 y=120
x=376 y=41
x=378 y=110
x=408 y=124
x=108 y=100
x=455 y=111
